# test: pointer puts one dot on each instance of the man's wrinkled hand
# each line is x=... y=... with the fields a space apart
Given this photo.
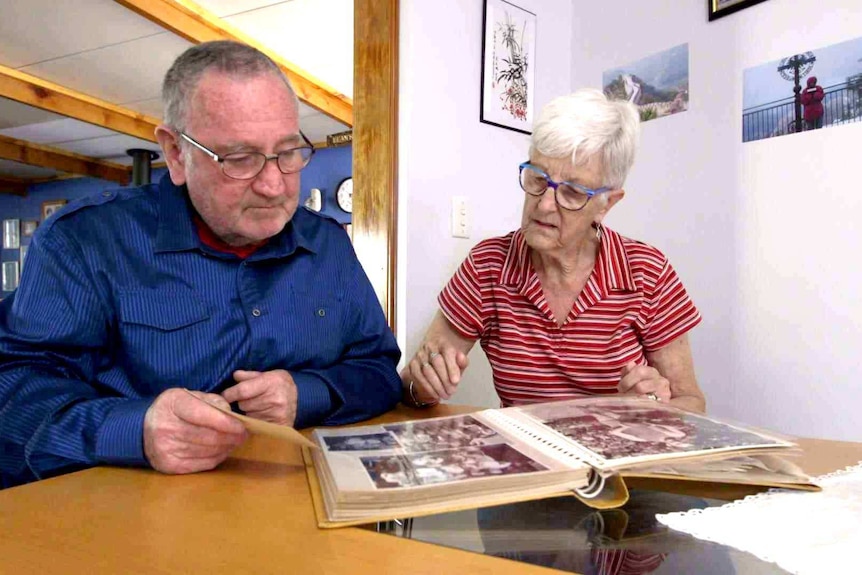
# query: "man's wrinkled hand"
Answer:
x=265 y=395
x=183 y=435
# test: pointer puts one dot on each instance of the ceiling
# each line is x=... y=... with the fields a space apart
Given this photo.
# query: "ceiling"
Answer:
x=104 y=51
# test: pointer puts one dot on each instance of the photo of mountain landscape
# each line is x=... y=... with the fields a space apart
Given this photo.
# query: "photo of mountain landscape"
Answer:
x=657 y=84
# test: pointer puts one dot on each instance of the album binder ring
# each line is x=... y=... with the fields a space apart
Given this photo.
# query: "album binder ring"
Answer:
x=593 y=488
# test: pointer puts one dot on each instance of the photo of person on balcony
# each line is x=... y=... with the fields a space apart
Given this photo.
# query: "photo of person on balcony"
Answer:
x=565 y=307
x=812 y=104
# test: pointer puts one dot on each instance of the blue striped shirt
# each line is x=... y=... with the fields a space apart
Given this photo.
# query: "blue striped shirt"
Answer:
x=120 y=301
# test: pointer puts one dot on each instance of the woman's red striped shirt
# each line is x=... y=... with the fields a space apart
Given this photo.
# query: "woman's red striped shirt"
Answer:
x=632 y=303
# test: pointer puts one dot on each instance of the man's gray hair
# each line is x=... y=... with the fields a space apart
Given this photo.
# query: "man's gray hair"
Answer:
x=225 y=56
x=586 y=123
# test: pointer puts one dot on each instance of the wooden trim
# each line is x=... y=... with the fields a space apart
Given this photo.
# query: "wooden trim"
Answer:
x=188 y=20
x=52 y=97
x=61 y=160
x=375 y=145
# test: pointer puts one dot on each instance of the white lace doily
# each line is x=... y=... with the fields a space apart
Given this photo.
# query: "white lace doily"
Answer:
x=801 y=532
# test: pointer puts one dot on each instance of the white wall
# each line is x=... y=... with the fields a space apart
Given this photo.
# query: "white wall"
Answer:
x=765 y=235
x=445 y=151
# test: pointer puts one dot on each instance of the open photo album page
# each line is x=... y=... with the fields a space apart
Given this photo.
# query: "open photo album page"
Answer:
x=617 y=432
x=428 y=452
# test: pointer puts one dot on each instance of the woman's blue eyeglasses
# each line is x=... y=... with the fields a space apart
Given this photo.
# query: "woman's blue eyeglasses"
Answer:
x=568 y=195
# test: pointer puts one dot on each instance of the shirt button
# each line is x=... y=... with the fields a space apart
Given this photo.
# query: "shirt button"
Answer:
x=255 y=312
x=106 y=194
x=321 y=312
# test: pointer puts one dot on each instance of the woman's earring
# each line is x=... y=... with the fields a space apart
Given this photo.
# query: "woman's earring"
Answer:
x=598 y=227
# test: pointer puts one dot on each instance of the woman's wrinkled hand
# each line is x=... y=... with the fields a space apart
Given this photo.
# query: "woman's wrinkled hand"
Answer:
x=644 y=381
x=435 y=371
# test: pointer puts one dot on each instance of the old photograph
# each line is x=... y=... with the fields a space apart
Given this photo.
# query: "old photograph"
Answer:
x=448 y=466
x=616 y=430
x=368 y=442
x=447 y=433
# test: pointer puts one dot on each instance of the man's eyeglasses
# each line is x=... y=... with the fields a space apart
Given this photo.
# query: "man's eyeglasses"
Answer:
x=568 y=196
x=247 y=165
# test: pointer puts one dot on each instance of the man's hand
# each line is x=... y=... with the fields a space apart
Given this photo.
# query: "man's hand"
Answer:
x=642 y=380
x=182 y=435
x=267 y=395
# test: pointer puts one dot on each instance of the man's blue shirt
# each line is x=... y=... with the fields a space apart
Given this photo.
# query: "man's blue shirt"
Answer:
x=120 y=301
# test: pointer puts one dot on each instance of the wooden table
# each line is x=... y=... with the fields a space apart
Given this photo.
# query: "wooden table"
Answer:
x=252 y=515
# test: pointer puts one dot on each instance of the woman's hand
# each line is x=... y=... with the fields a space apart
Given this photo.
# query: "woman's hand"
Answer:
x=645 y=381
x=436 y=368
x=669 y=375
x=435 y=371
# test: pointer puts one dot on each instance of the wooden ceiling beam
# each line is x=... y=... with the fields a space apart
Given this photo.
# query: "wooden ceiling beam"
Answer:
x=46 y=95
x=188 y=20
x=61 y=160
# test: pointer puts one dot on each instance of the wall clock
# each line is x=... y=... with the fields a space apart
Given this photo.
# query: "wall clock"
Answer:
x=344 y=195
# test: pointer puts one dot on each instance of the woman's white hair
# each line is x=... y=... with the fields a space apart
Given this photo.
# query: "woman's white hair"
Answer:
x=586 y=123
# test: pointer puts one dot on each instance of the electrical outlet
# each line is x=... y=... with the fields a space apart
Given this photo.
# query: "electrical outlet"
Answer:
x=460 y=217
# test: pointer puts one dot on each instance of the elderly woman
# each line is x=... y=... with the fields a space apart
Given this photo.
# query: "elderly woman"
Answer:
x=565 y=307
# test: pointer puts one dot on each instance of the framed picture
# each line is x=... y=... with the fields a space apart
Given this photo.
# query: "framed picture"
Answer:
x=51 y=206
x=28 y=227
x=10 y=276
x=508 y=65
x=720 y=8
x=11 y=234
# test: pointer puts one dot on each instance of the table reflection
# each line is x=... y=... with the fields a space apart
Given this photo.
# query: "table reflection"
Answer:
x=565 y=534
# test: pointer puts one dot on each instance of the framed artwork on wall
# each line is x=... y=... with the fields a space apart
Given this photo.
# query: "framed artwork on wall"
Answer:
x=10 y=276
x=51 y=206
x=28 y=227
x=11 y=234
x=720 y=8
x=508 y=66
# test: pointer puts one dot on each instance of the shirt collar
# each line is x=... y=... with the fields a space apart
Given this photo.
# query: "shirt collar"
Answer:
x=611 y=269
x=177 y=232
x=613 y=263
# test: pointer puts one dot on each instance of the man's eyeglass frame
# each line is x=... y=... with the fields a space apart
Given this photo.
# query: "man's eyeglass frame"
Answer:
x=221 y=159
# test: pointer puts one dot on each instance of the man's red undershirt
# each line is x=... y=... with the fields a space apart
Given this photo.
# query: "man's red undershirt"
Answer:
x=210 y=239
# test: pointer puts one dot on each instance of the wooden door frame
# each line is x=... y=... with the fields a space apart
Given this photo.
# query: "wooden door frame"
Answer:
x=375 y=145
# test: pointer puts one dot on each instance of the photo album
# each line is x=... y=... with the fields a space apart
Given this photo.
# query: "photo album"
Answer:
x=582 y=447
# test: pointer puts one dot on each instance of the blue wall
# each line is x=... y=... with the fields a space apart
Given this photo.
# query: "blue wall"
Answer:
x=328 y=167
x=30 y=206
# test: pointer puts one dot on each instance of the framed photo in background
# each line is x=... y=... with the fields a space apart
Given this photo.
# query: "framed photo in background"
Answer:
x=11 y=234
x=508 y=65
x=10 y=276
x=28 y=227
x=51 y=206
x=720 y=8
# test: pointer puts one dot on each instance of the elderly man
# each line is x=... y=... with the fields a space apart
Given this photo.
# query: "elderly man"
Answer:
x=211 y=281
